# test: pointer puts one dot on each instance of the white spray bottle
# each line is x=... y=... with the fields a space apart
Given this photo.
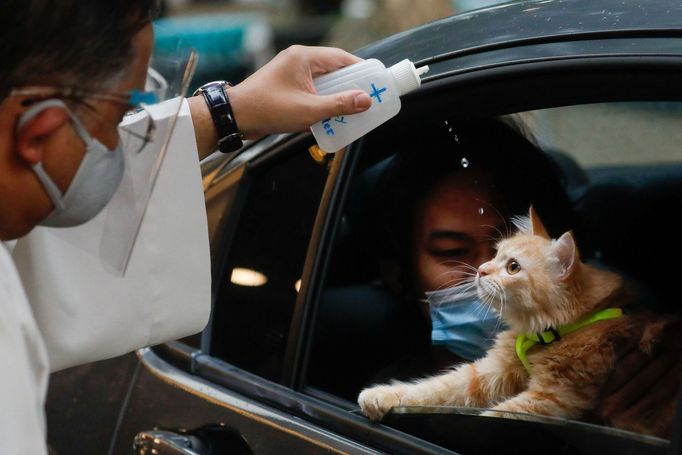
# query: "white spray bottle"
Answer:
x=384 y=86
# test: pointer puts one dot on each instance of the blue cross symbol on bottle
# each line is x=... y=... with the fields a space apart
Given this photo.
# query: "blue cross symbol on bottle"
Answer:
x=377 y=92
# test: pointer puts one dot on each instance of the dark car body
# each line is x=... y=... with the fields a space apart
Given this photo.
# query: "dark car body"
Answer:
x=263 y=377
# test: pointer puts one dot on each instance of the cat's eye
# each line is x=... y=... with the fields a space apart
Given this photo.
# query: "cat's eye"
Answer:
x=513 y=267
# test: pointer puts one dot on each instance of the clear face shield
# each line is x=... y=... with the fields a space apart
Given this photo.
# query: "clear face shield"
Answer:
x=144 y=137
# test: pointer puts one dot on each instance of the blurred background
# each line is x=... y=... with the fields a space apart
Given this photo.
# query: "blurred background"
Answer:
x=235 y=37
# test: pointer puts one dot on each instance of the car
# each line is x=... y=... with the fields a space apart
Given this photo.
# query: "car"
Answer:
x=299 y=323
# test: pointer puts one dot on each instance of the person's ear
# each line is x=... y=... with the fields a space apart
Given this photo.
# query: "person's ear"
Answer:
x=32 y=136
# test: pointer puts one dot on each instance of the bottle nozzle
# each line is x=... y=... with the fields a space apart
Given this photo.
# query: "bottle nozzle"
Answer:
x=406 y=76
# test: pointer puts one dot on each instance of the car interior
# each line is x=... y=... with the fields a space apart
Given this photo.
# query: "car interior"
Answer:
x=623 y=217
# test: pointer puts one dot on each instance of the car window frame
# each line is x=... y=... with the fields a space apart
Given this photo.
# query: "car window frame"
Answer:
x=463 y=89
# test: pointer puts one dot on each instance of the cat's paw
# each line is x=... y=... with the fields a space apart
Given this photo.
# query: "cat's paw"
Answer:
x=375 y=402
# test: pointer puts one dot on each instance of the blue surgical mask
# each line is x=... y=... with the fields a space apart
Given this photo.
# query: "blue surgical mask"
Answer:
x=96 y=179
x=461 y=322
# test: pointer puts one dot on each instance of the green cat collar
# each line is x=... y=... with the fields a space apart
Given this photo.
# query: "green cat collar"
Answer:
x=525 y=341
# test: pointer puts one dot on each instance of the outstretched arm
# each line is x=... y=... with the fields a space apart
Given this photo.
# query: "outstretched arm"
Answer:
x=280 y=97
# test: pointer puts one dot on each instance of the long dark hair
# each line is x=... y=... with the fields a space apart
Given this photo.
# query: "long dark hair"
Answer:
x=82 y=43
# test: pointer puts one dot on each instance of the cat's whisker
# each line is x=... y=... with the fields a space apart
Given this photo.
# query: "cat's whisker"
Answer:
x=464 y=276
x=487 y=311
x=499 y=233
x=461 y=266
x=489 y=301
x=480 y=307
x=498 y=324
x=451 y=284
x=462 y=288
x=459 y=288
x=464 y=265
x=492 y=206
x=466 y=273
x=503 y=304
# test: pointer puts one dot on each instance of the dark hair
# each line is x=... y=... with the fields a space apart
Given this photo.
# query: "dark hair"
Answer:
x=520 y=174
x=84 y=43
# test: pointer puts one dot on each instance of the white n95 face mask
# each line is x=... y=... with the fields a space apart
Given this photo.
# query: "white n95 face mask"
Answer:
x=95 y=182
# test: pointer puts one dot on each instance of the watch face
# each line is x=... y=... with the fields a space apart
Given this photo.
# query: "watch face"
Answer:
x=214 y=84
x=210 y=85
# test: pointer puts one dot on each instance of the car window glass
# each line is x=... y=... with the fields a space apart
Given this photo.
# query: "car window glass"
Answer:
x=619 y=168
x=220 y=193
x=645 y=133
x=256 y=297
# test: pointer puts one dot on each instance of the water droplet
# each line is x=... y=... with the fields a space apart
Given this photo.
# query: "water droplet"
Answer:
x=481 y=211
x=450 y=129
x=446 y=122
x=456 y=138
x=465 y=162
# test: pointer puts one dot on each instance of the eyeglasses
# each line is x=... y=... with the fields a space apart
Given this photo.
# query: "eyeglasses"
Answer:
x=145 y=128
x=133 y=98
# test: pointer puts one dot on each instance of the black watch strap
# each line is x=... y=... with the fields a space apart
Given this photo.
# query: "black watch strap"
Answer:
x=215 y=95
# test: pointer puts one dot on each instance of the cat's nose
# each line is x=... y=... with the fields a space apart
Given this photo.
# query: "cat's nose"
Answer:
x=482 y=271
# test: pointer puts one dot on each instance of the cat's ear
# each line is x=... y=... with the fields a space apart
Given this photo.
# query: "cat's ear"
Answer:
x=566 y=251
x=537 y=228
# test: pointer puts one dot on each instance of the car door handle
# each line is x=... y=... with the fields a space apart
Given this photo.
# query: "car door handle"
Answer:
x=168 y=443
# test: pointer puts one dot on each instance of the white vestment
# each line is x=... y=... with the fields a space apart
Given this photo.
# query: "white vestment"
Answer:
x=23 y=382
x=87 y=314
x=82 y=312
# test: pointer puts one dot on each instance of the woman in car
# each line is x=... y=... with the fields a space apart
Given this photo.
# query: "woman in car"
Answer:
x=440 y=211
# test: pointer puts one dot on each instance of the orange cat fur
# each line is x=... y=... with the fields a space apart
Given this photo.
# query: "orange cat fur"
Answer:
x=550 y=288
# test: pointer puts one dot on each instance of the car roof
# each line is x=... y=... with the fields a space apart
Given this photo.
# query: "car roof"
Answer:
x=528 y=24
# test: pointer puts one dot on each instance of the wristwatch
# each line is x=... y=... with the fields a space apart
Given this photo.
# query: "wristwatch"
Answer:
x=215 y=95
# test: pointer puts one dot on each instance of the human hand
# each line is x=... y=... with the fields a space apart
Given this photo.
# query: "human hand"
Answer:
x=280 y=96
x=641 y=393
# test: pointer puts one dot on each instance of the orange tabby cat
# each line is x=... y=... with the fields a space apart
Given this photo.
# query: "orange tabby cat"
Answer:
x=536 y=285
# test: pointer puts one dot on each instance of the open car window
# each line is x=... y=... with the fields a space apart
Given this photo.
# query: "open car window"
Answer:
x=620 y=168
x=268 y=230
